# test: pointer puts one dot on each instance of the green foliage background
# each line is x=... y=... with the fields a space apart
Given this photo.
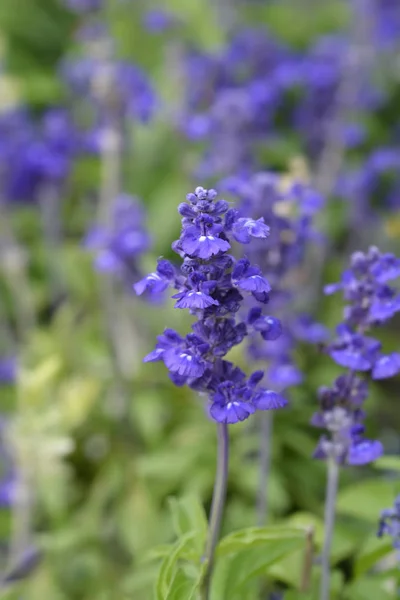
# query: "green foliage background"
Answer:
x=106 y=458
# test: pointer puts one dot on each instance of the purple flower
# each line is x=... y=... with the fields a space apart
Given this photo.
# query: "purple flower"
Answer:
x=8 y=370
x=36 y=153
x=386 y=366
x=8 y=491
x=364 y=452
x=246 y=229
x=118 y=247
x=183 y=363
x=370 y=302
x=279 y=251
x=111 y=86
x=202 y=239
x=305 y=329
x=212 y=285
x=83 y=6
x=268 y=400
x=194 y=299
x=389 y=524
x=159 y=20
x=354 y=351
x=249 y=278
x=228 y=406
x=269 y=327
x=284 y=375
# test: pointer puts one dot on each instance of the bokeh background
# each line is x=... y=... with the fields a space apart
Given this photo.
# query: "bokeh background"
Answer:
x=95 y=440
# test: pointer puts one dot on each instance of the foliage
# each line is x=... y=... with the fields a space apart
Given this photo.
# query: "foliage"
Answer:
x=123 y=467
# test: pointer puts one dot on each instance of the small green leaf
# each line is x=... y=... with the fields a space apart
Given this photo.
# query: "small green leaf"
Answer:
x=379 y=492
x=374 y=551
x=343 y=542
x=77 y=397
x=253 y=536
x=170 y=565
x=246 y=554
x=183 y=587
x=157 y=553
x=368 y=589
x=388 y=463
x=188 y=516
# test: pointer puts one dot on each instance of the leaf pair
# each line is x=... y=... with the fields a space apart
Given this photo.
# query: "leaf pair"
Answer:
x=241 y=557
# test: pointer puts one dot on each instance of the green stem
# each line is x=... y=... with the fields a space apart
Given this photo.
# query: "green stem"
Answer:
x=330 y=504
x=266 y=423
x=217 y=506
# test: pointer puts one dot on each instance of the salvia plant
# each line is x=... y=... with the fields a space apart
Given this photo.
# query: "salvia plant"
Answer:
x=212 y=285
x=117 y=481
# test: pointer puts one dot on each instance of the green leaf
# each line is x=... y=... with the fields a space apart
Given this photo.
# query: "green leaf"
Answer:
x=253 y=536
x=157 y=553
x=77 y=397
x=378 y=492
x=388 y=463
x=297 y=595
x=183 y=587
x=374 y=550
x=336 y=587
x=244 y=555
x=188 y=516
x=170 y=565
x=34 y=382
x=368 y=589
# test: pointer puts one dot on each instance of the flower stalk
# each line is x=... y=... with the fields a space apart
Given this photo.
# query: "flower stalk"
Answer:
x=217 y=506
x=330 y=506
x=266 y=423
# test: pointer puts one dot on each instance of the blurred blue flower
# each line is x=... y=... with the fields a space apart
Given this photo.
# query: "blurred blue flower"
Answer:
x=370 y=302
x=158 y=20
x=8 y=370
x=389 y=524
x=118 y=246
x=290 y=213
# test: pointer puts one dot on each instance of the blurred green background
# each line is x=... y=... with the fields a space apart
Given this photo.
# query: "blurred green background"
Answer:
x=104 y=455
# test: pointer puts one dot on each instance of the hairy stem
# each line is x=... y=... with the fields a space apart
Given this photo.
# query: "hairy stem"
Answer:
x=217 y=506
x=330 y=504
x=264 y=466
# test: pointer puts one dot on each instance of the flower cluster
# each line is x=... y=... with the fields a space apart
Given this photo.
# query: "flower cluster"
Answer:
x=258 y=91
x=386 y=19
x=370 y=302
x=8 y=480
x=389 y=524
x=289 y=207
x=212 y=284
x=242 y=96
x=233 y=98
x=33 y=154
x=114 y=88
x=118 y=246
